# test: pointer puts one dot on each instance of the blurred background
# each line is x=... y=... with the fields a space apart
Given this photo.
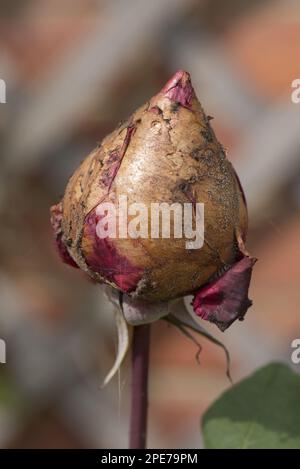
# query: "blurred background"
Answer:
x=73 y=70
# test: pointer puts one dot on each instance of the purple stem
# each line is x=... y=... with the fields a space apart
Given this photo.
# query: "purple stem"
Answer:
x=139 y=395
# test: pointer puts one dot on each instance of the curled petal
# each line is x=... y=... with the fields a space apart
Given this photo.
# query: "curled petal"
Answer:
x=179 y=89
x=226 y=299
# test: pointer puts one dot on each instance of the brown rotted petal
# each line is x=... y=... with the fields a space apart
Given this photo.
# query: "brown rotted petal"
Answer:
x=226 y=299
x=166 y=152
x=56 y=219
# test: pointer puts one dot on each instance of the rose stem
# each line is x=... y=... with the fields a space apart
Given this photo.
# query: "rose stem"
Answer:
x=139 y=393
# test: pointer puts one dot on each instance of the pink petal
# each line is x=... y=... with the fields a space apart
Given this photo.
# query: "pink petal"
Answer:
x=104 y=258
x=179 y=89
x=226 y=299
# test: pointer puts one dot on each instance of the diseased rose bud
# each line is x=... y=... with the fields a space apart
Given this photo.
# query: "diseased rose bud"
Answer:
x=166 y=152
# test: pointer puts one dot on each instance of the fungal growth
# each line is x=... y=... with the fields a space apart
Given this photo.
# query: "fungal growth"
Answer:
x=166 y=152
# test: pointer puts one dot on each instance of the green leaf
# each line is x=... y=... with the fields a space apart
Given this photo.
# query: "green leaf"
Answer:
x=9 y=396
x=262 y=411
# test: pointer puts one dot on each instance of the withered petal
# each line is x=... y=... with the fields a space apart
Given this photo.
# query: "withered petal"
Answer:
x=56 y=219
x=226 y=299
x=103 y=257
x=179 y=89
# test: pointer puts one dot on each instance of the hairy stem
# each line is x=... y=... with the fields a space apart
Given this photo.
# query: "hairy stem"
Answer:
x=139 y=395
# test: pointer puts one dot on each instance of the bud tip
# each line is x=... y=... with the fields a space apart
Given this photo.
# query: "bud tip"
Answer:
x=179 y=88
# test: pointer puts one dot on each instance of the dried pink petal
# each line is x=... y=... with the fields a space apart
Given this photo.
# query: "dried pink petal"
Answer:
x=103 y=257
x=226 y=299
x=179 y=89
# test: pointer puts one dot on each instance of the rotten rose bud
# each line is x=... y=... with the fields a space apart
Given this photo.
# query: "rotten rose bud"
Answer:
x=165 y=152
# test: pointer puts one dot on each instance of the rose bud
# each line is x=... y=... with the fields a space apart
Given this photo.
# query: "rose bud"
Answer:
x=166 y=152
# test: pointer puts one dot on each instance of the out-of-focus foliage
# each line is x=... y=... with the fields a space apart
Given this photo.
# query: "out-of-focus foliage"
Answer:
x=261 y=411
